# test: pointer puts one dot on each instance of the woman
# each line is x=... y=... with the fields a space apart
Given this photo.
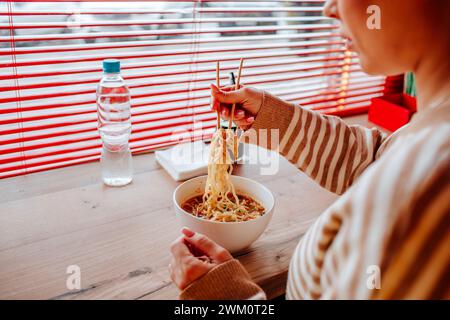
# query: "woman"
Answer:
x=394 y=212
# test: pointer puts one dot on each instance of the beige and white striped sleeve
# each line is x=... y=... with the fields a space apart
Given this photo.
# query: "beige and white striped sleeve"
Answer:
x=331 y=152
x=388 y=237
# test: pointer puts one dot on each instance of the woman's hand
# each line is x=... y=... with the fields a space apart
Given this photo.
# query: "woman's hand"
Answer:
x=194 y=255
x=248 y=102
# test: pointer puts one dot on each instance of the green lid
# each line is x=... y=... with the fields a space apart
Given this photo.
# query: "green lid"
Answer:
x=111 y=66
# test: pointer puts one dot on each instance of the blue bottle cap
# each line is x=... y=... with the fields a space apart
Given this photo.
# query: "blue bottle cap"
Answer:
x=111 y=66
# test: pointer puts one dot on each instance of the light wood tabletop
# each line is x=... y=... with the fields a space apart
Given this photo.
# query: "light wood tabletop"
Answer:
x=120 y=237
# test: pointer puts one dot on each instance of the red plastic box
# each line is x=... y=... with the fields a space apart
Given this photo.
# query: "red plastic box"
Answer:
x=392 y=111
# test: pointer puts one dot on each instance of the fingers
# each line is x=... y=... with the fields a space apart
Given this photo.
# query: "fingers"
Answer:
x=187 y=232
x=249 y=120
x=207 y=246
x=186 y=271
x=225 y=113
x=184 y=268
x=231 y=87
x=179 y=248
x=222 y=96
x=241 y=118
x=225 y=97
x=245 y=123
x=239 y=114
x=248 y=100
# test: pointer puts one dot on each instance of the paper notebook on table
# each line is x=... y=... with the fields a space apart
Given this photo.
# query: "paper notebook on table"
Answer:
x=185 y=161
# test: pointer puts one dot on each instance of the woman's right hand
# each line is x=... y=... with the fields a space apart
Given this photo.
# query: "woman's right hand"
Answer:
x=248 y=103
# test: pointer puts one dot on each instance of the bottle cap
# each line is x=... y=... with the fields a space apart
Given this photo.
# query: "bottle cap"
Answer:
x=111 y=66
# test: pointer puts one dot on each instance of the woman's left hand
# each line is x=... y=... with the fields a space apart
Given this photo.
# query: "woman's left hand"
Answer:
x=193 y=256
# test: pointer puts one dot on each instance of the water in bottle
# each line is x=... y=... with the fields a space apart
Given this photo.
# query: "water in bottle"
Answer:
x=114 y=124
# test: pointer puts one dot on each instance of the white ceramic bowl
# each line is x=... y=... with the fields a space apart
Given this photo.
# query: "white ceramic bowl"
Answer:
x=234 y=236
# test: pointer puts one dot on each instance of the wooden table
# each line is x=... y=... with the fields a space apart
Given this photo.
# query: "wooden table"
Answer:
x=120 y=237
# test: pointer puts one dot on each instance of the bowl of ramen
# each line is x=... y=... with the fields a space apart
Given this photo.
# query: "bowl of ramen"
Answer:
x=231 y=210
x=234 y=227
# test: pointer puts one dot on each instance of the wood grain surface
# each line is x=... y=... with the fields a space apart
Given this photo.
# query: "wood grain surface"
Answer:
x=120 y=237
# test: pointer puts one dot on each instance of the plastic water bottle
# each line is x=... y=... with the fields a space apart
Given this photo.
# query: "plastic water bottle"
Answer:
x=114 y=125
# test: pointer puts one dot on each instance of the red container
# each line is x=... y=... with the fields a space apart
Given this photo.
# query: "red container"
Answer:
x=392 y=111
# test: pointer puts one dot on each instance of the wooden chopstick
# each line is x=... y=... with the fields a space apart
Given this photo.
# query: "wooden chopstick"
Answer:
x=238 y=81
x=218 y=86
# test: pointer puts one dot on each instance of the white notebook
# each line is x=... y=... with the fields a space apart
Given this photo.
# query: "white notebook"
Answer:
x=185 y=161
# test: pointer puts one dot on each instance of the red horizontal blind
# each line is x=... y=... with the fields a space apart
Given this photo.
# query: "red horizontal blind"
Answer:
x=50 y=64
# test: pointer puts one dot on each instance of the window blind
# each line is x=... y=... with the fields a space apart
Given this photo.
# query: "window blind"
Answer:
x=51 y=54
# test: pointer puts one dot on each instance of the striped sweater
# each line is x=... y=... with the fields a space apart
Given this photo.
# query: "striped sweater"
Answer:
x=387 y=236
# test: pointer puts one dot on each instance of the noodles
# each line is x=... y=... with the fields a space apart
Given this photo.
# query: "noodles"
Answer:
x=220 y=201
